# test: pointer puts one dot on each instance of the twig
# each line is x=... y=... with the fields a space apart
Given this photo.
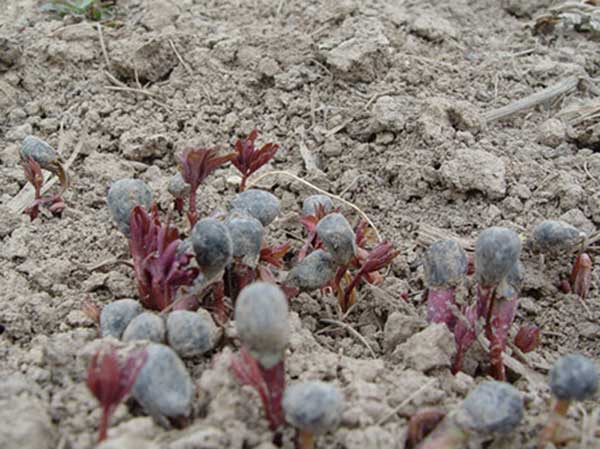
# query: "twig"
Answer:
x=353 y=332
x=377 y=96
x=338 y=128
x=102 y=46
x=532 y=100
x=406 y=401
x=183 y=63
x=324 y=192
x=427 y=234
x=109 y=262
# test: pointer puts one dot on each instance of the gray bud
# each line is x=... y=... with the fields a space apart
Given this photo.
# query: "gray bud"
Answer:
x=163 y=387
x=117 y=315
x=177 y=186
x=261 y=319
x=123 y=196
x=338 y=237
x=445 y=264
x=259 y=204
x=39 y=151
x=492 y=407
x=246 y=235
x=314 y=407
x=312 y=272
x=552 y=236
x=496 y=252
x=145 y=326
x=190 y=333
x=310 y=204
x=212 y=245
x=574 y=377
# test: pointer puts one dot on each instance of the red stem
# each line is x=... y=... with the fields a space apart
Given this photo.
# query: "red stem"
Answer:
x=243 y=183
x=496 y=364
x=488 y=319
x=274 y=378
x=103 y=431
x=192 y=215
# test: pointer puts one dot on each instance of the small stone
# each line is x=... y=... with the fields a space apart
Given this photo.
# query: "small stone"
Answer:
x=153 y=60
x=263 y=206
x=399 y=327
x=26 y=424
x=433 y=28
x=590 y=330
x=190 y=333
x=578 y=219
x=431 y=348
x=116 y=316
x=10 y=53
x=389 y=113
x=136 y=145
x=164 y=388
x=126 y=441
x=145 y=326
x=475 y=170
x=204 y=438
x=358 y=49
x=551 y=133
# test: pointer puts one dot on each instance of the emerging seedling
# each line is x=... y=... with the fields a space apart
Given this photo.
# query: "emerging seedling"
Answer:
x=556 y=237
x=261 y=319
x=195 y=166
x=503 y=311
x=527 y=338
x=445 y=264
x=179 y=189
x=123 y=196
x=213 y=246
x=247 y=236
x=491 y=408
x=248 y=159
x=313 y=408
x=572 y=378
x=37 y=155
x=338 y=238
x=312 y=272
x=90 y=9
x=158 y=267
x=318 y=209
x=110 y=381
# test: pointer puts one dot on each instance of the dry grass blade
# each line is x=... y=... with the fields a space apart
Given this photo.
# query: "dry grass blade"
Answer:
x=324 y=192
x=427 y=234
x=407 y=401
x=353 y=331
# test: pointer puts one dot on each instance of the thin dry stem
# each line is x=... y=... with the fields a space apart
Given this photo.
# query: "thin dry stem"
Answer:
x=353 y=331
x=406 y=401
x=324 y=192
x=103 y=46
x=183 y=63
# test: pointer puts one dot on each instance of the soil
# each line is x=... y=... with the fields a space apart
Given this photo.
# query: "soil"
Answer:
x=383 y=103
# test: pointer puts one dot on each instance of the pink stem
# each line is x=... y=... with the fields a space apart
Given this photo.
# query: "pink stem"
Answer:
x=438 y=306
x=274 y=378
x=103 y=431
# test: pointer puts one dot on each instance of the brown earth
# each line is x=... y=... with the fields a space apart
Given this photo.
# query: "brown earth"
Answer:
x=390 y=101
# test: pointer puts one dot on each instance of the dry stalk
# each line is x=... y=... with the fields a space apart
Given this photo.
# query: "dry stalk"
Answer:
x=353 y=331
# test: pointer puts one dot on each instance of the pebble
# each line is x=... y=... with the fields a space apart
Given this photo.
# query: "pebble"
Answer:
x=116 y=316
x=475 y=170
x=431 y=348
x=191 y=333
x=164 y=388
